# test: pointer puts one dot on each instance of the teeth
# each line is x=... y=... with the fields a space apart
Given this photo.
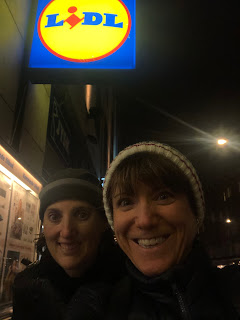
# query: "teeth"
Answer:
x=67 y=246
x=147 y=243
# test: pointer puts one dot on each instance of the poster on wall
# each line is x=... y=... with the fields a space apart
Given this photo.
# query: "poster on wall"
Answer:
x=23 y=222
x=10 y=271
x=22 y=230
x=17 y=212
x=5 y=186
x=30 y=219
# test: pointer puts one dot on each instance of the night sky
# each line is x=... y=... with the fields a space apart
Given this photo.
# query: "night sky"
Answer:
x=185 y=90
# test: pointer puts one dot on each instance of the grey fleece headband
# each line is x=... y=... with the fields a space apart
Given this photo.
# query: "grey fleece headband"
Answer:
x=169 y=153
x=69 y=188
x=69 y=182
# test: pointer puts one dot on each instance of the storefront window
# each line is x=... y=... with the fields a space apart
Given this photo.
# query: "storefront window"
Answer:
x=19 y=226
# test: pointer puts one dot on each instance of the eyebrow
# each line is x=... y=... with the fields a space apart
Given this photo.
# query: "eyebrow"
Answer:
x=153 y=190
x=53 y=209
x=121 y=194
x=160 y=187
x=77 y=207
x=82 y=207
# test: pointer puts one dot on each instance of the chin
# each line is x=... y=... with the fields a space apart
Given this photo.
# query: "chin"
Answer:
x=68 y=264
x=153 y=271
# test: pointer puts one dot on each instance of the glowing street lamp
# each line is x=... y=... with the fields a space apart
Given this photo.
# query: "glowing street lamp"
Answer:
x=228 y=221
x=222 y=142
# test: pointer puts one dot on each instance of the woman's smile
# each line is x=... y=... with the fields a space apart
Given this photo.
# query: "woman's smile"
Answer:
x=73 y=231
x=155 y=232
x=151 y=242
x=69 y=248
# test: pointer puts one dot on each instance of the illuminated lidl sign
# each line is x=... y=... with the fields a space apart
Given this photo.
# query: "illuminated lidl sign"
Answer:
x=84 y=34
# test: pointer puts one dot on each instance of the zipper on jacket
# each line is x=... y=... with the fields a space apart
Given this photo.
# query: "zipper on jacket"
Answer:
x=183 y=308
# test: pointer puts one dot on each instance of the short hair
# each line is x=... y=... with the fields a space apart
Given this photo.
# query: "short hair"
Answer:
x=154 y=171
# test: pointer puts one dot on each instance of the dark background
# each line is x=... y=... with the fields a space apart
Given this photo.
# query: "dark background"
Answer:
x=185 y=90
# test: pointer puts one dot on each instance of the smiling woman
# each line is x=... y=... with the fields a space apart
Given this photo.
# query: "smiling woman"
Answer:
x=79 y=259
x=73 y=231
x=158 y=230
x=154 y=202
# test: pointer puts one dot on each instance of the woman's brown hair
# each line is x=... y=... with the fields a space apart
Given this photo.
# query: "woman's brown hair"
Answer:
x=153 y=170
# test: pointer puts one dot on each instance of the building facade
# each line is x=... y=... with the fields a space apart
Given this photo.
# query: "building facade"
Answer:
x=44 y=128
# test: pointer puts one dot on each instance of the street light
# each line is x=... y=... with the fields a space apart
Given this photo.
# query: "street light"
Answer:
x=229 y=242
x=222 y=141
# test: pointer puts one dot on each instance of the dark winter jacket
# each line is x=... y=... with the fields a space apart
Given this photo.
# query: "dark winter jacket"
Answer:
x=194 y=290
x=43 y=291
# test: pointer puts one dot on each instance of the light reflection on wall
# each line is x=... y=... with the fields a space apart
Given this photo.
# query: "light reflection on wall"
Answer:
x=88 y=96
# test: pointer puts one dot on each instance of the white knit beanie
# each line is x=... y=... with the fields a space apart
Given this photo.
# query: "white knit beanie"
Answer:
x=169 y=153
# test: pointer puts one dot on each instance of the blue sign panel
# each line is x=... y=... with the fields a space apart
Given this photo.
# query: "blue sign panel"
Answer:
x=84 y=34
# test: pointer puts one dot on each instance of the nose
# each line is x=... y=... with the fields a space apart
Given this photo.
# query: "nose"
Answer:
x=67 y=228
x=146 y=217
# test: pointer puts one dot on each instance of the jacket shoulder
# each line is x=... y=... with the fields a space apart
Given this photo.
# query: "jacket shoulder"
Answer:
x=120 y=299
x=229 y=280
x=31 y=272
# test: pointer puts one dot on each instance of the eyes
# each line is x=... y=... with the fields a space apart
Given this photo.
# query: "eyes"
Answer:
x=79 y=214
x=53 y=216
x=124 y=202
x=163 y=197
x=82 y=213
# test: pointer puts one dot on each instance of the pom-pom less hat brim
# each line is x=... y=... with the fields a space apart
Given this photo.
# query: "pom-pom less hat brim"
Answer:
x=71 y=184
x=169 y=153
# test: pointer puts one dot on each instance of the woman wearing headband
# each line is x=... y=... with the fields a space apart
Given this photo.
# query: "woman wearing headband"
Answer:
x=79 y=258
x=154 y=202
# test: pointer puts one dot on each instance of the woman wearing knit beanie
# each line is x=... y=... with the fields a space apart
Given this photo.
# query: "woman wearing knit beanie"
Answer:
x=79 y=259
x=154 y=203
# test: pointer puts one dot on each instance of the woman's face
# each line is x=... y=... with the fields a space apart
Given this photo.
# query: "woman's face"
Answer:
x=73 y=231
x=155 y=228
